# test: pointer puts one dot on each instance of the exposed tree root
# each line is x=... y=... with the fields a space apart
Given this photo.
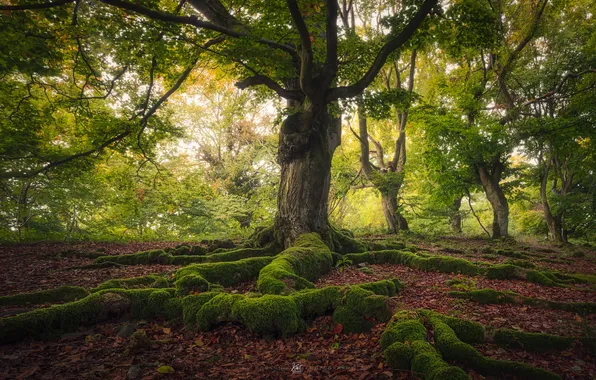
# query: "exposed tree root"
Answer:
x=407 y=344
x=448 y=264
x=358 y=306
x=490 y=296
x=61 y=294
x=159 y=256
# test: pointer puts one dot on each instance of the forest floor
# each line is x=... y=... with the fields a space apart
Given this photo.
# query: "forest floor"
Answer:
x=323 y=351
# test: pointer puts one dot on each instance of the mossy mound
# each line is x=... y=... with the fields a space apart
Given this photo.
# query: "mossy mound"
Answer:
x=154 y=256
x=297 y=266
x=61 y=294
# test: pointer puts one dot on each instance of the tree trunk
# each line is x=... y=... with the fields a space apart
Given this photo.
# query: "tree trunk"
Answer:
x=308 y=139
x=391 y=213
x=455 y=219
x=496 y=197
x=553 y=223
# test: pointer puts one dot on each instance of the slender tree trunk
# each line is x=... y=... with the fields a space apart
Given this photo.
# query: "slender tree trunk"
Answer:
x=553 y=223
x=455 y=219
x=307 y=141
x=498 y=201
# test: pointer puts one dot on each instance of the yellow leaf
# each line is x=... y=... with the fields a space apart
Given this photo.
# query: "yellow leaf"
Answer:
x=165 y=369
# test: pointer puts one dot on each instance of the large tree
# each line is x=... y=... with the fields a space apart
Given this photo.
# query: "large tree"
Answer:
x=291 y=47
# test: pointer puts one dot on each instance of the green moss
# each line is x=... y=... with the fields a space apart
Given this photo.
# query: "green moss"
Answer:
x=191 y=283
x=530 y=341
x=520 y=263
x=192 y=304
x=57 y=319
x=454 y=349
x=502 y=272
x=510 y=253
x=226 y=273
x=270 y=315
x=61 y=294
x=540 y=278
x=230 y=255
x=387 y=288
x=361 y=306
x=467 y=331
x=486 y=296
x=462 y=283
x=317 y=302
x=218 y=309
x=443 y=264
x=156 y=256
x=161 y=303
x=382 y=246
x=405 y=347
x=149 y=281
x=296 y=267
x=342 y=241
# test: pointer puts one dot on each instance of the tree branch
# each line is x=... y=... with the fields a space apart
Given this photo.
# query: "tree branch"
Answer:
x=194 y=21
x=273 y=85
x=331 y=63
x=306 y=54
x=25 y=7
x=391 y=46
x=558 y=87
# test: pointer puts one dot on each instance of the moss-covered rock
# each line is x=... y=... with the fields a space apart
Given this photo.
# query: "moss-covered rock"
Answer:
x=61 y=294
x=296 y=267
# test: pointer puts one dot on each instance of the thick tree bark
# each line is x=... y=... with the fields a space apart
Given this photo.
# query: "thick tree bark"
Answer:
x=497 y=199
x=391 y=213
x=308 y=139
x=455 y=218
